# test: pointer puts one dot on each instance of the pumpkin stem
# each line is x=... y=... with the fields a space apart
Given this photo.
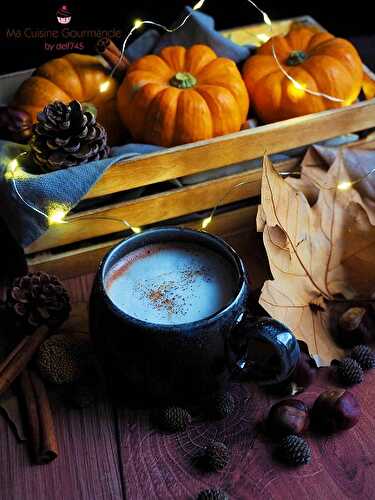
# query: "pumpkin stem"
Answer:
x=183 y=80
x=296 y=57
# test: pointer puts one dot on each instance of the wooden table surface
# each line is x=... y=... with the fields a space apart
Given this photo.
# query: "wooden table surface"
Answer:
x=110 y=453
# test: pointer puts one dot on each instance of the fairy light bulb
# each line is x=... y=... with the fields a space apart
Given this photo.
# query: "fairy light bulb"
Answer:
x=298 y=85
x=266 y=18
x=13 y=165
x=56 y=216
x=199 y=5
x=206 y=222
x=138 y=23
x=135 y=229
x=344 y=186
x=104 y=86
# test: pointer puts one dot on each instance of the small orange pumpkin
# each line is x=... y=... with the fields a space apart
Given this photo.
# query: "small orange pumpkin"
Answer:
x=73 y=76
x=181 y=96
x=317 y=60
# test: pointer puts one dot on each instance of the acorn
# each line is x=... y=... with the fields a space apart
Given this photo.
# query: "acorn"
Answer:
x=172 y=418
x=212 y=494
x=221 y=405
x=335 y=410
x=214 y=457
x=355 y=327
x=349 y=372
x=294 y=450
x=364 y=356
x=290 y=416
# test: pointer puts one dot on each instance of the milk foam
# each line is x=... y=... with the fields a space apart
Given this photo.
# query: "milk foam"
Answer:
x=171 y=283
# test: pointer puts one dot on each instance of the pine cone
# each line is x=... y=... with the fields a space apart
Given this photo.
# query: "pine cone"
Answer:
x=36 y=299
x=221 y=405
x=61 y=358
x=212 y=494
x=173 y=419
x=65 y=136
x=214 y=458
x=349 y=372
x=294 y=450
x=364 y=356
x=15 y=124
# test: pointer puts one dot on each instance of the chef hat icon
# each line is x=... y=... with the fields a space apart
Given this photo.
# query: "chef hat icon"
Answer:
x=63 y=15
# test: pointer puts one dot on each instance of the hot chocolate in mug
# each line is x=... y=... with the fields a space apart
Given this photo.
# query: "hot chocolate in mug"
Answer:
x=167 y=317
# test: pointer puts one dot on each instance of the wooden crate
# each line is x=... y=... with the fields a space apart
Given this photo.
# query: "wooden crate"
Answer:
x=71 y=249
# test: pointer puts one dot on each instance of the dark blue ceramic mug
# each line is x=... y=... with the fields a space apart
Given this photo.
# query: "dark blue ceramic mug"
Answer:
x=160 y=363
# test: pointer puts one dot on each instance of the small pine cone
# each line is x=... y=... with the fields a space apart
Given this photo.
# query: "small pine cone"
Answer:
x=215 y=457
x=221 y=405
x=38 y=299
x=212 y=494
x=364 y=356
x=173 y=419
x=294 y=450
x=349 y=372
x=65 y=135
x=60 y=358
x=15 y=124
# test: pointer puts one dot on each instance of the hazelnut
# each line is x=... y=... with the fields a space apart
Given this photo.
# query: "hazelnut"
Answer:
x=354 y=327
x=289 y=416
x=335 y=410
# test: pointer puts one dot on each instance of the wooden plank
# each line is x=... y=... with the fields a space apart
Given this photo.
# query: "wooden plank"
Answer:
x=86 y=260
x=234 y=148
x=87 y=467
x=151 y=209
x=159 y=465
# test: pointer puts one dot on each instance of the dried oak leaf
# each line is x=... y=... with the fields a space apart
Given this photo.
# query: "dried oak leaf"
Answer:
x=359 y=162
x=316 y=253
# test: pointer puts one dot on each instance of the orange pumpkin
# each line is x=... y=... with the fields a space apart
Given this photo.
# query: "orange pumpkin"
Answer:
x=74 y=76
x=317 y=60
x=181 y=96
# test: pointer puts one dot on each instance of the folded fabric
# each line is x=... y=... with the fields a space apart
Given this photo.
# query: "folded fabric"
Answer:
x=67 y=187
x=199 y=28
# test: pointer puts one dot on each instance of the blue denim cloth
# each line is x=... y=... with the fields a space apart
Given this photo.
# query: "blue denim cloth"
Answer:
x=67 y=187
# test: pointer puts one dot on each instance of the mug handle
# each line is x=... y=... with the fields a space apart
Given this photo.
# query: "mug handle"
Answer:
x=266 y=349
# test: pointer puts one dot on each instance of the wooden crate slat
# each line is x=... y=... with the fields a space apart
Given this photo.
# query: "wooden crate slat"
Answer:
x=234 y=148
x=150 y=209
x=85 y=260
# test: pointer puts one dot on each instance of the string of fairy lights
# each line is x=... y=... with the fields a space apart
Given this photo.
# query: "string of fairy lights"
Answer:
x=57 y=213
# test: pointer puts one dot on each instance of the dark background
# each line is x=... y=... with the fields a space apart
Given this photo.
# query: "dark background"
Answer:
x=21 y=54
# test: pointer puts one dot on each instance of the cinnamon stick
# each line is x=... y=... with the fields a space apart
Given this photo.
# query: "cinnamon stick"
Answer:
x=41 y=429
x=17 y=360
x=112 y=55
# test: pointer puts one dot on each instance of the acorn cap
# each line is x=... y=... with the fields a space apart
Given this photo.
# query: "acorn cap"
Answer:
x=173 y=418
x=294 y=450
x=212 y=494
x=364 y=356
x=349 y=372
x=60 y=358
x=214 y=457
